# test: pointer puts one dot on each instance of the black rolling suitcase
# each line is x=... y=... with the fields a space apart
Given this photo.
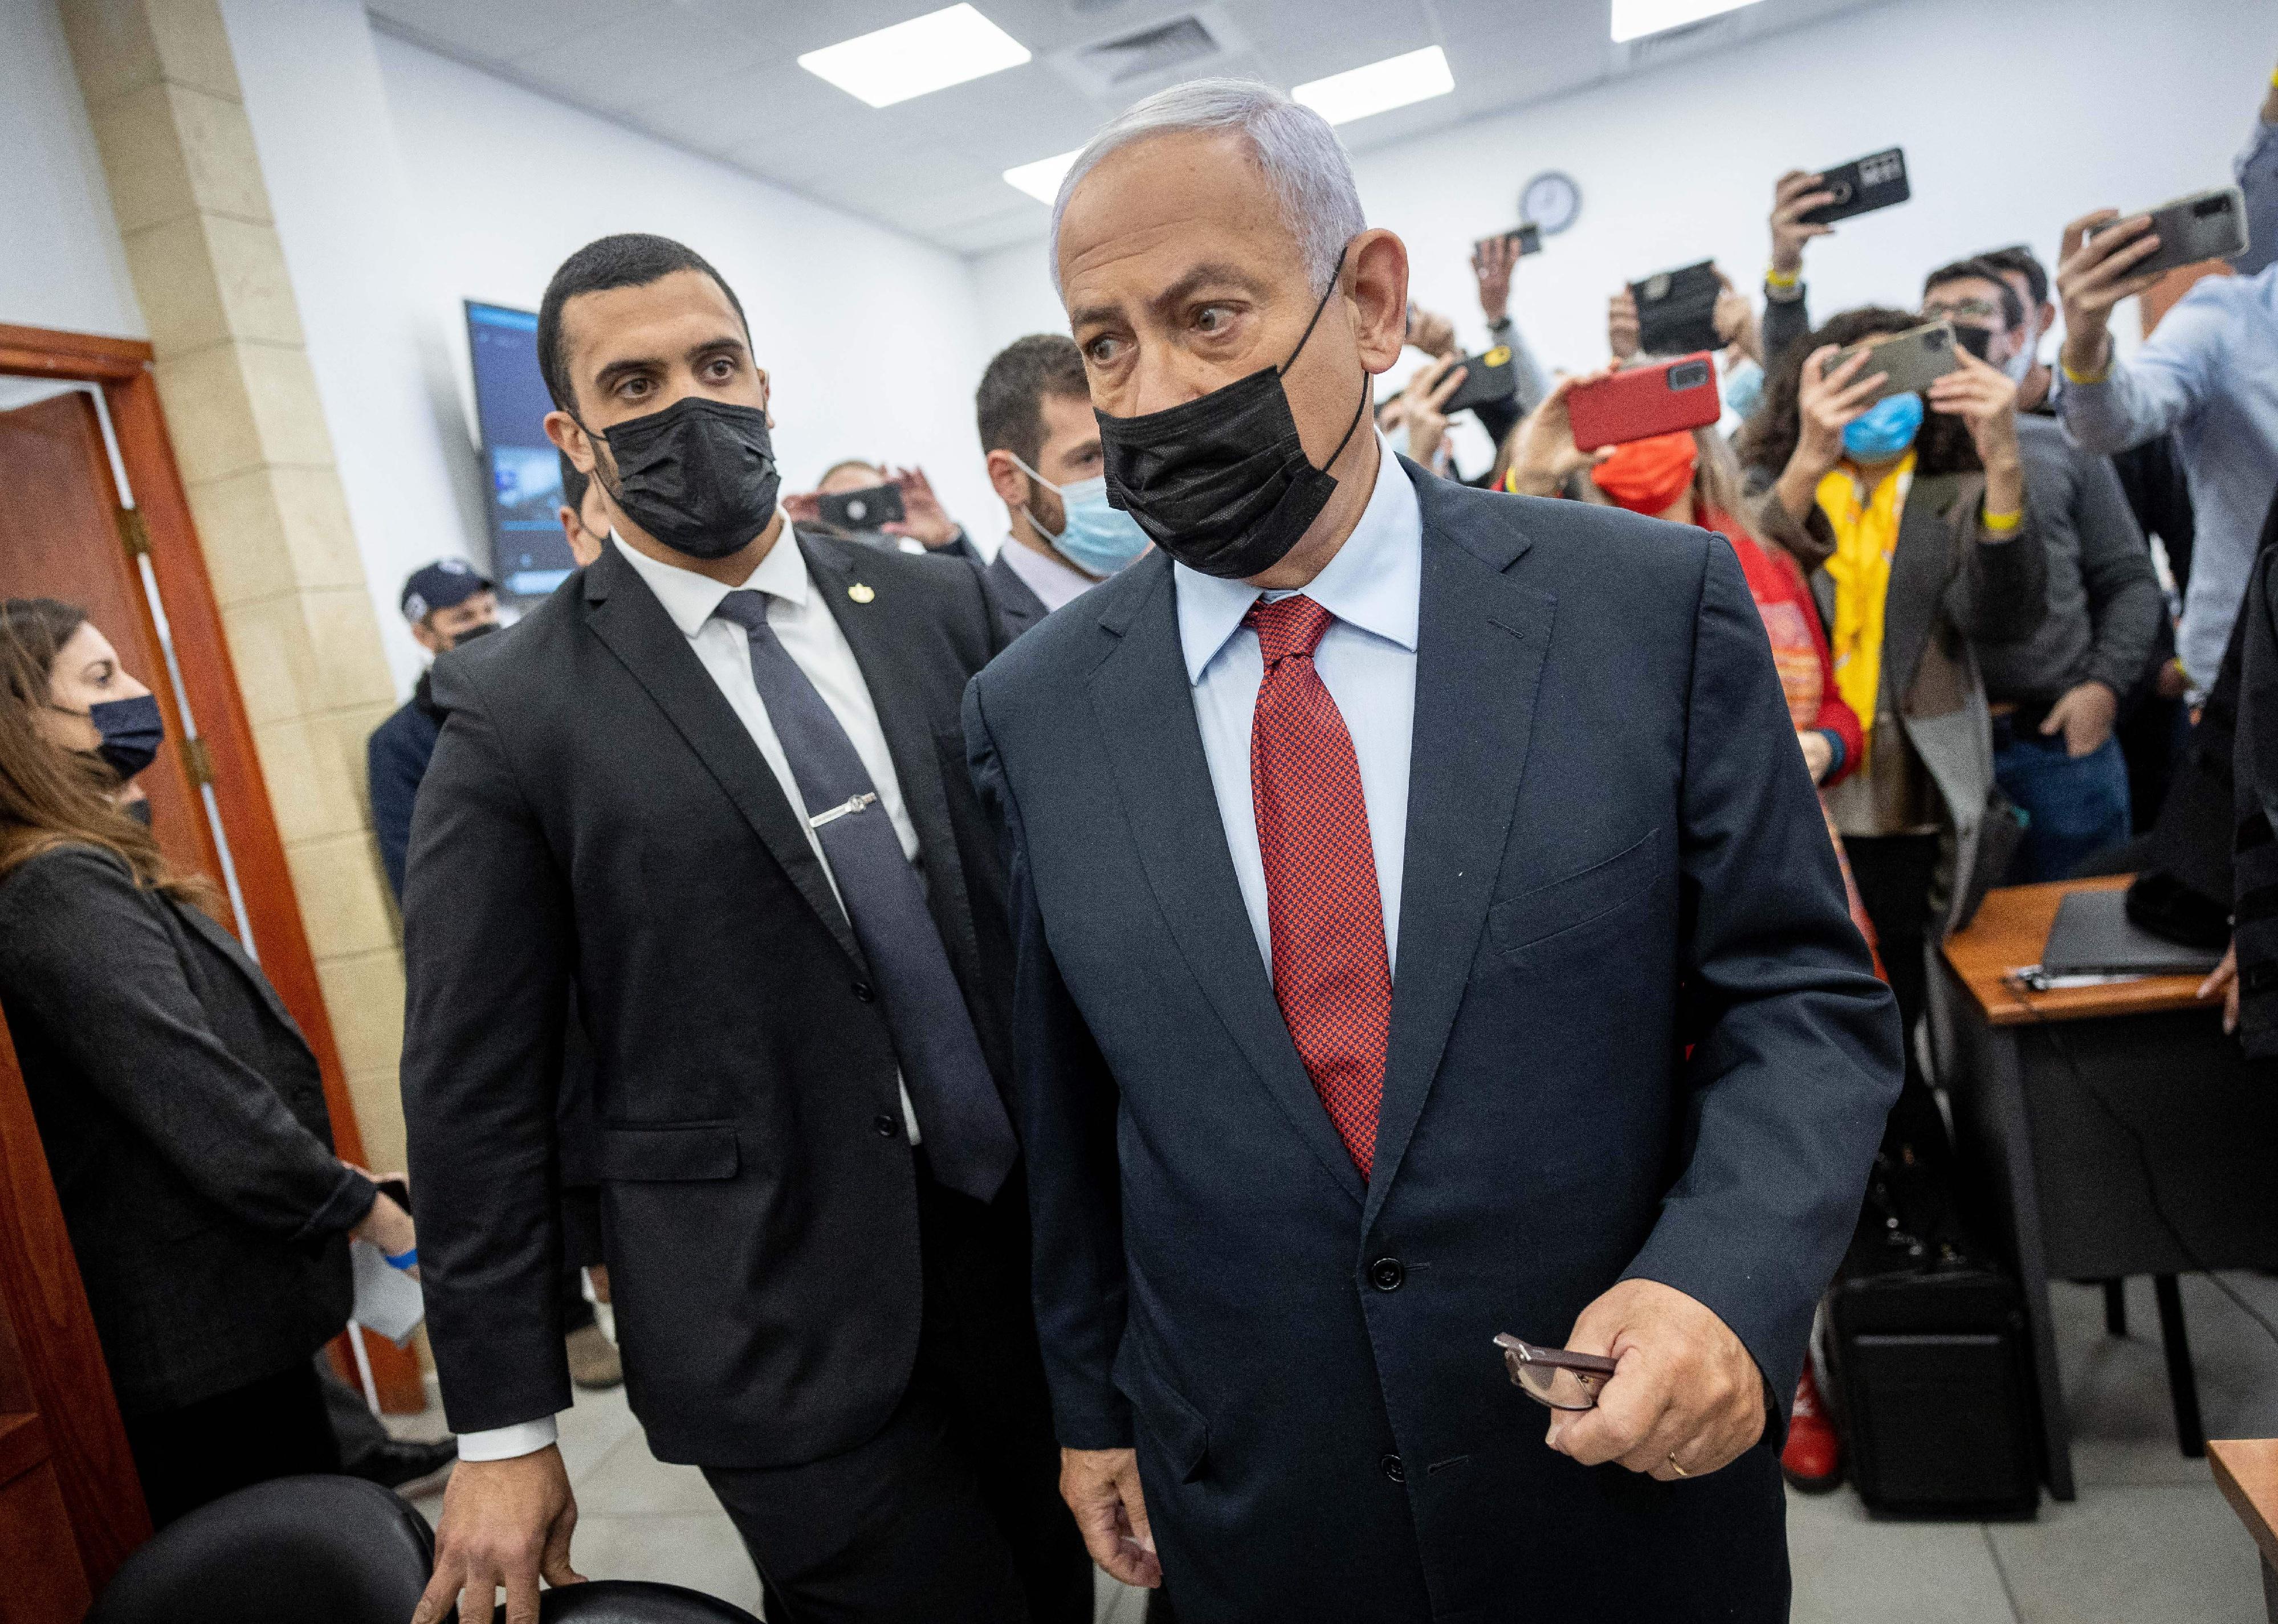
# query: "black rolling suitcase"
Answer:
x=1927 y=1356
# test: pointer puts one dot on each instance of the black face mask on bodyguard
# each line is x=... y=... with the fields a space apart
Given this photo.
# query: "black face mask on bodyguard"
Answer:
x=1221 y=483
x=699 y=476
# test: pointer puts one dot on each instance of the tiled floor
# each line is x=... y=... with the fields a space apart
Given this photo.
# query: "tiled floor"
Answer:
x=2149 y=1540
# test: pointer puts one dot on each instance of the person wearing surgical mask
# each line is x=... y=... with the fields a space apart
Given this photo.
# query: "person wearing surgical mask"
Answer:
x=181 y=1112
x=1911 y=513
x=1043 y=441
x=2056 y=696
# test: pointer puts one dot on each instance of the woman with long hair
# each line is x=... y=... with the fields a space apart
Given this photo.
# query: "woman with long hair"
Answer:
x=1910 y=512
x=182 y=1111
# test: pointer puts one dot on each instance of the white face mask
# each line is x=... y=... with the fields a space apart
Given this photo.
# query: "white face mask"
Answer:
x=2020 y=366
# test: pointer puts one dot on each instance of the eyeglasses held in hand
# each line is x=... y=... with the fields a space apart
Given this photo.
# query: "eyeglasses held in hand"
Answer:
x=1554 y=1376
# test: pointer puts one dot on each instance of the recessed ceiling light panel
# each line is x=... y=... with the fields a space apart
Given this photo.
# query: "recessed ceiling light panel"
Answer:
x=1633 y=20
x=927 y=53
x=1042 y=179
x=1379 y=87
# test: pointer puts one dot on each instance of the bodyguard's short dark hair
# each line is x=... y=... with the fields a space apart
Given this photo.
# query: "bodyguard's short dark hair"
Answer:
x=573 y=486
x=1010 y=403
x=2021 y=260
x=1984 y=268
x=633 y=259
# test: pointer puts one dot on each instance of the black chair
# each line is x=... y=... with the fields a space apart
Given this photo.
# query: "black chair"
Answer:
x=627 y=1601
x=291 y=1551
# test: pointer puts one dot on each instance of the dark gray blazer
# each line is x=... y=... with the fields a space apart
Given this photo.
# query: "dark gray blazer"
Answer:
x=1634 y=1032
x=184 y=1121
x=1018 y=606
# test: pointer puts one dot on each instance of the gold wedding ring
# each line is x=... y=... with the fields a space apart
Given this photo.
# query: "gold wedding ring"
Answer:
x=1673 y=1467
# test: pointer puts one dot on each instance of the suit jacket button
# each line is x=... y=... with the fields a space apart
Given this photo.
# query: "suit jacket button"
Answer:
x=1388 y=1273
x=1391 y=1468
x=865 y=991
x=885 y=1125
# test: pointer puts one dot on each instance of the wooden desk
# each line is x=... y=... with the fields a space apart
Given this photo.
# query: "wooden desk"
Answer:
x=2247 y=1469
x=2104 y=1131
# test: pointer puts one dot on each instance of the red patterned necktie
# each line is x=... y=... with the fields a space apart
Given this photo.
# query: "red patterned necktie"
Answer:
x=1332 y=976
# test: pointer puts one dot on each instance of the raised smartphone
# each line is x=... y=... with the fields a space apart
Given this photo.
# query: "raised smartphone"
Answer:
x=1862 y=186
x=2209 y=225
x=1640 y=402
x=1908 y=359
x=1676 y=310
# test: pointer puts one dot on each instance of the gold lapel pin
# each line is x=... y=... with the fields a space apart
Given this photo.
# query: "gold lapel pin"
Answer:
x=861 y=593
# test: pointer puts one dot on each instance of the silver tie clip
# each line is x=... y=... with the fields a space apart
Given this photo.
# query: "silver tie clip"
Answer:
x=852 y=804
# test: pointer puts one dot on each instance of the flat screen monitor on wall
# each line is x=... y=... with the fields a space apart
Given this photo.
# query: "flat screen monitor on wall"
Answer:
x=522 y=489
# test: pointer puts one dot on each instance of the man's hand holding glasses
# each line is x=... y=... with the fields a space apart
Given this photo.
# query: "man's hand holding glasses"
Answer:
x=1650 y=1377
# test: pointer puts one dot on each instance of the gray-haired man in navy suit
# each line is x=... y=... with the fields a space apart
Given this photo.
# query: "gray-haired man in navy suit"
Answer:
x=1427 y=929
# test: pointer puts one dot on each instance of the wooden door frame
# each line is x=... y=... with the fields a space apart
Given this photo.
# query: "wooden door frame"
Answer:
x=120 y=368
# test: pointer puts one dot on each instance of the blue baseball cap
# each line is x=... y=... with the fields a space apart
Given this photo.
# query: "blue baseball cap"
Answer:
x=445 y=582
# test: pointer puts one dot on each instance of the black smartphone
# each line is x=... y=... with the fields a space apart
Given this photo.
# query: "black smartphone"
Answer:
x=1527 y=234
x=396 y=1190
x=1489 y=376
x=870 y=509
x=1677 y=310
x=1862 y=187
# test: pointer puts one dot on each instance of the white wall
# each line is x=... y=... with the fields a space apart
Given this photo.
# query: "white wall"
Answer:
x=2015 y=116
x=868 y=336
x=403 y=183
x=61 y=263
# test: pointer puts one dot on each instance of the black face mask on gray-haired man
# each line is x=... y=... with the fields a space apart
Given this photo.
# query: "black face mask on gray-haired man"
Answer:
x=1524 y=762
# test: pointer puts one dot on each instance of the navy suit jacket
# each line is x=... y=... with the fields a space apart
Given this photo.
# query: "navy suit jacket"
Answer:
x=1615 y=856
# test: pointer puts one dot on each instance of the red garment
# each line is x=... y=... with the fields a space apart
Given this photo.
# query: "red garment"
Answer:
x=1807 y=670
x=1325 y=916
x=1806 y=674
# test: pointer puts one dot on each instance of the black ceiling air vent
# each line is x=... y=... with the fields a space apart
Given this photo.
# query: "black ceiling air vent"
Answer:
x=1153 y=49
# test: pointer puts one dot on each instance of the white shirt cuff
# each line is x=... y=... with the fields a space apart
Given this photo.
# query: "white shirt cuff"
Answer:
x=525 y=1437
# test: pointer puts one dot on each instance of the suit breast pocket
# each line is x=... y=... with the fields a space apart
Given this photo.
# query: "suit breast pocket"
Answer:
x=1592 y=895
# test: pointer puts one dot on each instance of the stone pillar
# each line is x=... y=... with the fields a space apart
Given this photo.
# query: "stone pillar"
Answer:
x=249 y=433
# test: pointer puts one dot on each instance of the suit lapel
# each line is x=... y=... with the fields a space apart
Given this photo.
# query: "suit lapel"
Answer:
x=1145 y=714
x=1481 y=638
x=873 y=630
x=1017 y=603
x=231 y=948
x=627 y=617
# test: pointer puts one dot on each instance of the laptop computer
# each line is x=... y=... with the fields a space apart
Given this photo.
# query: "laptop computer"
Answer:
x=2093 y=936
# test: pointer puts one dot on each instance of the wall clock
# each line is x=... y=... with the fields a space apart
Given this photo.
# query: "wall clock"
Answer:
x=1551 y=199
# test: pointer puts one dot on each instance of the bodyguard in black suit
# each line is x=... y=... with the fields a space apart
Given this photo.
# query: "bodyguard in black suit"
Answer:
x=1443 y=941
x=736 y=821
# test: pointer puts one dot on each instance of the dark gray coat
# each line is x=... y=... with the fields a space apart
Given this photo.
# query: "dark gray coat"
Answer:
x=1633 y=1033
x=184 y=1121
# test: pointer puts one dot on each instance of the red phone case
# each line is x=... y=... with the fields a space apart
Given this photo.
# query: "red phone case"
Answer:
x=1643 y=402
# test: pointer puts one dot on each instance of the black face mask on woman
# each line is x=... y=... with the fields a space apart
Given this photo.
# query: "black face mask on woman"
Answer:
x=129 y=732
x=1221 y=483
x=699 y=476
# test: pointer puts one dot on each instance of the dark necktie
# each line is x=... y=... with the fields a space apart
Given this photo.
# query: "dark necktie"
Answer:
x=1332 y=975
x=968 y=1141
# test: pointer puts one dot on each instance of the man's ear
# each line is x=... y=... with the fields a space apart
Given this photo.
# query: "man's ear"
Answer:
x=425 y=636
x=1005 y=477
x=572 y=440
x=1376 y=281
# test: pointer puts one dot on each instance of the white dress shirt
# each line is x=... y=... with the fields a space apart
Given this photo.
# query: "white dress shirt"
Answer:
x=1374 y=586
x=809 y=632
x=1051 y=578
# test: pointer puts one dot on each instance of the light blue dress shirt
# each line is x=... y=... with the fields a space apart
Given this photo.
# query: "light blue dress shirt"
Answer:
x=2209 y=373
x=1374 y=586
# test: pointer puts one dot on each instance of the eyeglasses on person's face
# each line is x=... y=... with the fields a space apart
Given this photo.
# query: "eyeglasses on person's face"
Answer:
x=1554 y=1376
